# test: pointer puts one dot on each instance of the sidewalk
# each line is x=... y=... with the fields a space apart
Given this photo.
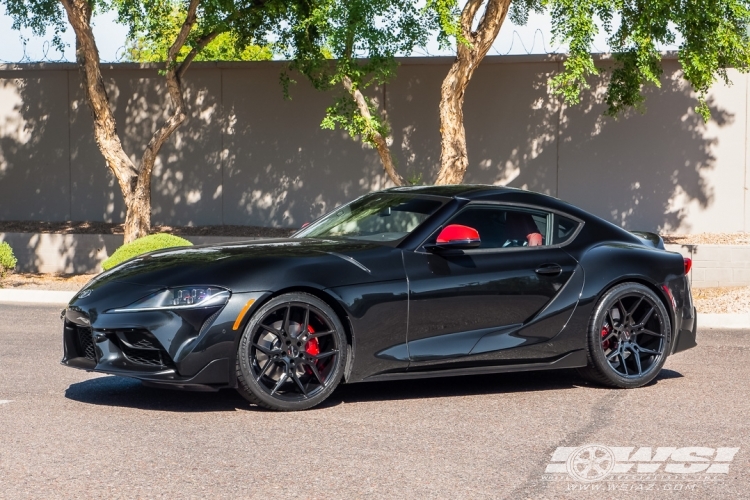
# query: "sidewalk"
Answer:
x=25 y=296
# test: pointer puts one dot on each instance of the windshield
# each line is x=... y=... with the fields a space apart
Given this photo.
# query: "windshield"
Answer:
x=374 y=217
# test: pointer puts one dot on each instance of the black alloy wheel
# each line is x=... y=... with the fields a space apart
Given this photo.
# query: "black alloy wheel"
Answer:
x=292 y=353
x=629 y=337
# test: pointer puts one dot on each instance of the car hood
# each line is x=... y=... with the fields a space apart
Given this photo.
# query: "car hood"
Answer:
x=253 y=265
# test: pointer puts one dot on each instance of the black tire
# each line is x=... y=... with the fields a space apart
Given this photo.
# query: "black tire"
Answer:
x=629 y=337
x=288 y=360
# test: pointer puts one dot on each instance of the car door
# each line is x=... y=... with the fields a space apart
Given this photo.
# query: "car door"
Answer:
x=457 y=298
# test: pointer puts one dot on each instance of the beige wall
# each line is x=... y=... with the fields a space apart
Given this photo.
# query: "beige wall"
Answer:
x=247 y=156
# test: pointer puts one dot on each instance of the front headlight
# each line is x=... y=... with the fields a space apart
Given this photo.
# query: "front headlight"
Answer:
x=187 y=297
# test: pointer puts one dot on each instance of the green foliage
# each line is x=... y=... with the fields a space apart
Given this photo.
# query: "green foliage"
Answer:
x=359 y=40
x=8 y=261
x=327 y=39
x=143 y=245
x=242 y=25
x=714 y=37
x=345 y=114
x=447 y=17
x=40 y=16
x=415 y=179
x=145 y=46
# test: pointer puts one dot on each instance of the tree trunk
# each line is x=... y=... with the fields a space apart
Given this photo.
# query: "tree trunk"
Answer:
x=105 y=130
x=138 y=216
x=454 y=157
x=135 y=183
x=377 y=139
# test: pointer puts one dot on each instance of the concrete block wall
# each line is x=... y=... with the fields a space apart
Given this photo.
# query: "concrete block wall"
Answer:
x=717 y=265
x=246 y=156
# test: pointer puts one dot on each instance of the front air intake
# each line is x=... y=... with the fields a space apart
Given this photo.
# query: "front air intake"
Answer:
x=141 y=348
x=85 y=342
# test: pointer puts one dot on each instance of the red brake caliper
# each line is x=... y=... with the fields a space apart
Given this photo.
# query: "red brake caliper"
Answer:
x=312 y=347
x=605 y=332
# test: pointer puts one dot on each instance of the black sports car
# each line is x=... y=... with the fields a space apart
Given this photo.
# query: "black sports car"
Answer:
x=402 y=283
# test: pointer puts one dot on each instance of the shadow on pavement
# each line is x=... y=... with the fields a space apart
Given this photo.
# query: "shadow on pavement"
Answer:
x=474 y=385
x=129 y=393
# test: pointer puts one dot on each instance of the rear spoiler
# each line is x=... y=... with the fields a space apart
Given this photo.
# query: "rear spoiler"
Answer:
x=650 y=239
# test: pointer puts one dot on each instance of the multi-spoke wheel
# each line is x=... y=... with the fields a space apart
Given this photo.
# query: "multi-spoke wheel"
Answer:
x=628 y=338
x=292 y=353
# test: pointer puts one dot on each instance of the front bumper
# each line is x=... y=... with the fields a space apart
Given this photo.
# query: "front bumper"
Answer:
x=190 y=349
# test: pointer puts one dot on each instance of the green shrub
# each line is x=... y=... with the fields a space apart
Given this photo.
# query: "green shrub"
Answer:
x=8 y=261
x=144 y=245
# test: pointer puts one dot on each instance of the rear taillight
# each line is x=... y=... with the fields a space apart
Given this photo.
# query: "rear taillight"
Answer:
x=688 y=264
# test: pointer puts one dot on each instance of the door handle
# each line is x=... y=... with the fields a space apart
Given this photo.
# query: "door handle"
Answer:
x=549 y=269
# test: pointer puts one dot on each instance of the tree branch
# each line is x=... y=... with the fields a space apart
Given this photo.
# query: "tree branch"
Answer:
x=380 y=143
x=223 y=27
x=105 y=129
x=490 y=24
x=199 y=46
x=174 y=87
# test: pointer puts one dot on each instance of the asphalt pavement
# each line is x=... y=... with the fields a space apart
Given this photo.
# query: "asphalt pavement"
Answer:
x=72 y=434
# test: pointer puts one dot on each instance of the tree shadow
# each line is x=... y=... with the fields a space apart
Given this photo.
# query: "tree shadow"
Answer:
x=641 y=171
x=650 y=170
x=130 y=393
x=187 y=177
x=34 y=152
x=281 y=168
x=61 y=253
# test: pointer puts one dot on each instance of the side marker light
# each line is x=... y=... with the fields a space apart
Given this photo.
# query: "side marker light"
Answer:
x=241 y=315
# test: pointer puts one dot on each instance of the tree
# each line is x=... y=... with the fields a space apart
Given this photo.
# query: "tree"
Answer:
x=352 y=44
x=146 y=48
x=202 y=22
x=714 y=37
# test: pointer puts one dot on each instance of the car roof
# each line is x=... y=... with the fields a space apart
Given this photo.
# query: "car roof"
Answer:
x=487 y=192
x=459 y=190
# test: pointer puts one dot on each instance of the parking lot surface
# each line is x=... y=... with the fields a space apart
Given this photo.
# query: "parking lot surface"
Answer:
x=71 y=434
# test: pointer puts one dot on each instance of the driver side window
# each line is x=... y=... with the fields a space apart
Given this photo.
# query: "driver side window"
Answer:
x=504 y=227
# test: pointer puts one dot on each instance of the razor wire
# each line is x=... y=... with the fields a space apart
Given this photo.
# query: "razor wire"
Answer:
x=48 y=54
x=537 y=41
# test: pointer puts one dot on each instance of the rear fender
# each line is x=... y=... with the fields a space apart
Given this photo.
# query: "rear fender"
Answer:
x=610 y=264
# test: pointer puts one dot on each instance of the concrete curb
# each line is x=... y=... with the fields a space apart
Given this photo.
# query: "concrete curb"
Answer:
x=25 y=296
x=724 y=320
x=16 y=296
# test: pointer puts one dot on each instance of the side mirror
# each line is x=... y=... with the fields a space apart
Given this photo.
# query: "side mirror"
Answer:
x=456 y=237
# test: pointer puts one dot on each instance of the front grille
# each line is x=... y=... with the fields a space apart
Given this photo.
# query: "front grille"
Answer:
x=85 y=342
